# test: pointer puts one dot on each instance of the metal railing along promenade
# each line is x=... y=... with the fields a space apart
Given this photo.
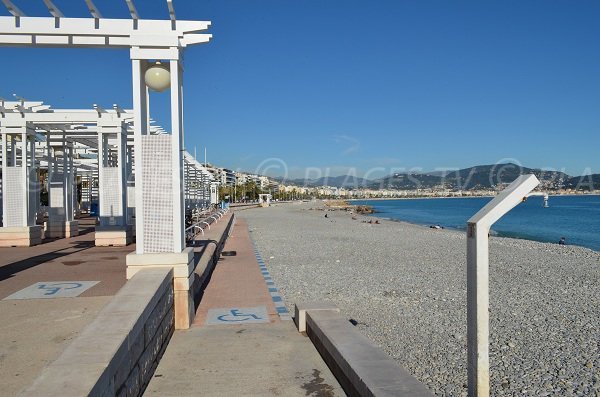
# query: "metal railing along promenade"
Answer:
x=198 y=228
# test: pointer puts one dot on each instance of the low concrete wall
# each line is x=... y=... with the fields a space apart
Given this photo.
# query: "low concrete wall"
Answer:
x=243 y=206
x=117 y=354
x=209 y=257
x=360 y=367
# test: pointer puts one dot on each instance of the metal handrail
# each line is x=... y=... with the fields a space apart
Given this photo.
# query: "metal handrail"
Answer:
x=192 y=230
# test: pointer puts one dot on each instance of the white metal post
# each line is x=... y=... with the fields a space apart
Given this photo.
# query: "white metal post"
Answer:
x=177 y=157
x=13 y=150
x=64 y=180
x=478 y=310
x=4 y=178
x=70 y=184
x=51 y=161
x=140 y=127
x=101 y=164
x=24 y=178
x=478 y=228
x=122 y=174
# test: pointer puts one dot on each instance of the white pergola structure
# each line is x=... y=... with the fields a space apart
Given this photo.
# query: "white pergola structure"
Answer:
x=197 y=186
x=19 y=183
x=86 y=131
x=62 y=133
x=159 y=175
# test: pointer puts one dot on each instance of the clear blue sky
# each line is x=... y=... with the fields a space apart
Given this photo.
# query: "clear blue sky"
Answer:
x=339 y=84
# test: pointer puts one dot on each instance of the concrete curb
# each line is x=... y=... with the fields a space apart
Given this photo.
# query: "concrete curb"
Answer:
x=360 y=367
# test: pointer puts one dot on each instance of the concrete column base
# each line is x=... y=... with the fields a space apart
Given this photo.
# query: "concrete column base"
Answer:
x=116 y=236
x=21 y=236
x=62 y=229
x=183 y=277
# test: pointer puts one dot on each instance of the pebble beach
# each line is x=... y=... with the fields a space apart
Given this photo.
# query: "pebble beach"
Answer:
x=405 y=286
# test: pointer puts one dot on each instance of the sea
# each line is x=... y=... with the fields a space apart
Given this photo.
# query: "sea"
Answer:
x=576 y=218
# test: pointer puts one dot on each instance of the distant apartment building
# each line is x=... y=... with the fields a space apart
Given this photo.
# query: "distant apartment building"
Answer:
x=241 y=178
x=224 y=176
x=227 y=177
x=262 y=182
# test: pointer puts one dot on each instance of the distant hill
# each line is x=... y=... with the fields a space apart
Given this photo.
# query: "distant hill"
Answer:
x=346 y=181
x=585 y=182
x=491 y=176
x=478 y=177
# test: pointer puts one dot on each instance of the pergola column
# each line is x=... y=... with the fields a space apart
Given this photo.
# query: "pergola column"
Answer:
x=160 y=191
x=20 y=187
x=86 y=191
x=61 y=190
x=113 y=229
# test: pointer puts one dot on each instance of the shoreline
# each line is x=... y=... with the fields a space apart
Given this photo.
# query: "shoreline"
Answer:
x=459 y=197
x=494 y=233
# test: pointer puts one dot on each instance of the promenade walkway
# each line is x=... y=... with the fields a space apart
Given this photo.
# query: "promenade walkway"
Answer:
x=239 y=344
x=37 y=326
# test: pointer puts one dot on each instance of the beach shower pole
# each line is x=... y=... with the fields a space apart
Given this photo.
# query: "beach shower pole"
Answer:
x=478 y=228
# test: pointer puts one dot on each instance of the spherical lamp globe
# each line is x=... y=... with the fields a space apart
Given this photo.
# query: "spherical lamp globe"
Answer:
x=158 y=77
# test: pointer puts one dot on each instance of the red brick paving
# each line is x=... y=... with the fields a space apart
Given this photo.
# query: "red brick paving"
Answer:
x=71 y=259
x=236 y=280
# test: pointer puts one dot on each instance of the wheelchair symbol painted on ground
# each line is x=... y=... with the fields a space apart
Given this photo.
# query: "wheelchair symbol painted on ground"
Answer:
x=53 y=289
x=237 y=315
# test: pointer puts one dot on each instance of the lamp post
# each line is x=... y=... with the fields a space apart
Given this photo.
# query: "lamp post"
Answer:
x=478 y=228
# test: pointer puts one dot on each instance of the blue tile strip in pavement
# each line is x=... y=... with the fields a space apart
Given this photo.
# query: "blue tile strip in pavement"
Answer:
x=282 y=310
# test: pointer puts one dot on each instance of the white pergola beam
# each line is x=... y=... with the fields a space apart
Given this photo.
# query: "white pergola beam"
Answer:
x=105 y=33
x=132 y=11
x=171 y=10
x=13 y=9
x=93 y=9
x=53 y=10
x=11 y=105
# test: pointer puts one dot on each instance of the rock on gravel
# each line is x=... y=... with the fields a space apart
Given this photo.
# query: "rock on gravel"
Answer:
x=406 y=287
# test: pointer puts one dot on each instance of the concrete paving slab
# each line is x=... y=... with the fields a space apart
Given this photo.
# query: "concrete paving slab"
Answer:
x=244 y=360
x=33 y=333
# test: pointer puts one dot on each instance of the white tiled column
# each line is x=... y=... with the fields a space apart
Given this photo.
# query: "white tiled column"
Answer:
x=61 y=184
x=113 y=228
x=20 y=188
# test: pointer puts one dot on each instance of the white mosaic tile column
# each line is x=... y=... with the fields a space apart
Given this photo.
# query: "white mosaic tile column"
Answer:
x=113 y=228
x=20 y=187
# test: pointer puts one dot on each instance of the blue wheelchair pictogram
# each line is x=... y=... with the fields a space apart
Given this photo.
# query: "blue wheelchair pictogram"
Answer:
x=236 y=316
x=53 y=288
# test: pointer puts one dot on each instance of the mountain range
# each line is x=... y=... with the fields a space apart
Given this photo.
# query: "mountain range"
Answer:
x=472 y=178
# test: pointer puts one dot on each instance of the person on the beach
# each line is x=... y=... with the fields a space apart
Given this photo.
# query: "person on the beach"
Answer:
x=562 y=241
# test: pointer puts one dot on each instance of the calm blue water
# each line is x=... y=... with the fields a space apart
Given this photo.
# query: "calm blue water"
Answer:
x=575 y=217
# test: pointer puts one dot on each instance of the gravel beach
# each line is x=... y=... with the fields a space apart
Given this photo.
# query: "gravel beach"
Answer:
x=406 y=286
